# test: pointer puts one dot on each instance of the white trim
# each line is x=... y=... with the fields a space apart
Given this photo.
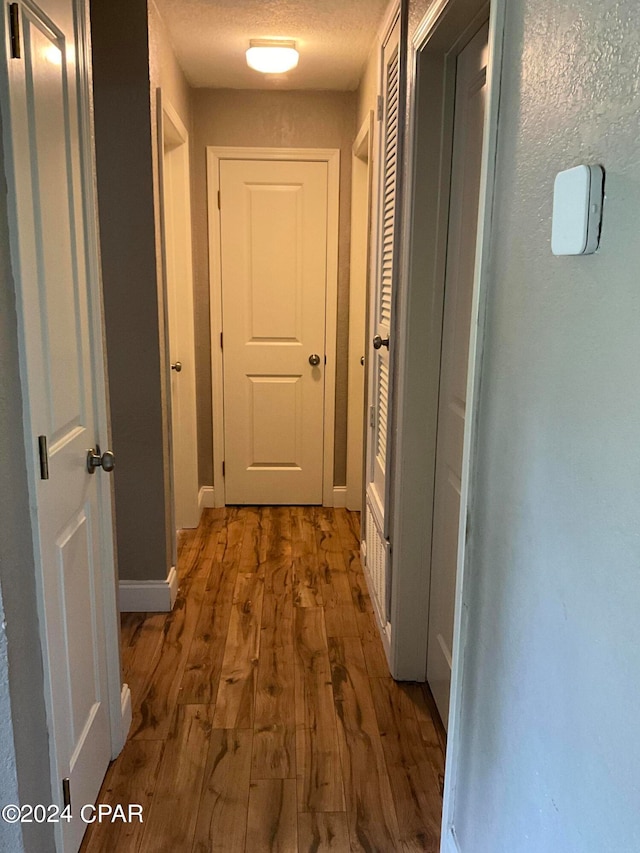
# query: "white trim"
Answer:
x=362 y=167
x=171 y=129
x=149 y=596
x=421 y=303
x=104 y=485
x=481 y=286
x=90 y=193
x=126 y=711
x=339 y=496
x=388 y=23
x=449 y=843
x=206 y=498
x=427 y=25
x=331 y=156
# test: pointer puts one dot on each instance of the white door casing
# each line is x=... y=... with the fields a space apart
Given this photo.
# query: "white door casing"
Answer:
x=430 y=94
x=471 y=76
x=178 y=272
x=276 y=309
x=49 y=162
x=361 y=185
x=377 y=548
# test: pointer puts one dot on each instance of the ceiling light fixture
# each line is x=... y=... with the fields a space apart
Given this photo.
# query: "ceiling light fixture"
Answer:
x=272 y=57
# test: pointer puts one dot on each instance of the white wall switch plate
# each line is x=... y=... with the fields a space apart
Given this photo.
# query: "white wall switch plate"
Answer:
x=577 y=210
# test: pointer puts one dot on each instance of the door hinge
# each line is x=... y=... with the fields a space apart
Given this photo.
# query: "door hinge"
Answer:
x=14 y=30
x=372 y=416
x=219 y=208
x=66 y=792
x=380 y=107
x=43 y=450
x=224 y=470
x=221 y=341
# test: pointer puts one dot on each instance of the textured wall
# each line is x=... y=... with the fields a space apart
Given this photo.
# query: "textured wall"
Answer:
x=133 y=307
x=277 y=120
x=550 y=749
x=368 y=89
x=164 y=70
x=24 y=750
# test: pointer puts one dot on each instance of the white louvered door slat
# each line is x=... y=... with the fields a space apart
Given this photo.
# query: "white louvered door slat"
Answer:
x=380 y=389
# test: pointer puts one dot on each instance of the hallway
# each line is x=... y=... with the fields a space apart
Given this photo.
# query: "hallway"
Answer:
x=264 y=715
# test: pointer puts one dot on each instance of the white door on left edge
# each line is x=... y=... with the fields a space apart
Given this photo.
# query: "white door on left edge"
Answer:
x=58 y=293
x=274 y=268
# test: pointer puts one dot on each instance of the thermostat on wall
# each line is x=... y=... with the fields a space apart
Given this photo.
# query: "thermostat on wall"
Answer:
x=577 y=211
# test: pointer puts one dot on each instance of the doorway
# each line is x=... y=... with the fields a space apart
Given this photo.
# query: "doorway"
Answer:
x=435 y=46
x=468 y=127
x=178 y=277
x=361 y=189
x=273 y=306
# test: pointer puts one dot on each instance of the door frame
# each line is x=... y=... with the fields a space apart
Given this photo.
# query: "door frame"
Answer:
x=169 y=122
x=330 y=156
x=118 y=698
x=420 y=310
x=361 y=202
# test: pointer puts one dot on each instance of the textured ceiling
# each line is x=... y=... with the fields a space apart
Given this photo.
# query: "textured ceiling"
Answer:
x=334 y=37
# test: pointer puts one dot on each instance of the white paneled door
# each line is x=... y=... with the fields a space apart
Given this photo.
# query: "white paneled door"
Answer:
x=471 y=76
x=48 y=163
x=273 y=217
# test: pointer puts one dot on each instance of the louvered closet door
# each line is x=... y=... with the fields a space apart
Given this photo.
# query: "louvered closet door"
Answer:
x=377 y=548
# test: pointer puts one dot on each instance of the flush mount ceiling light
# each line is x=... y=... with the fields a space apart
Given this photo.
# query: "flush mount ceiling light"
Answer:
x=272 y=57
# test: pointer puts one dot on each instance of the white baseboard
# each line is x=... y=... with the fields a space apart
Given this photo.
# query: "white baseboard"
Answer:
x=127 y=711
x=149 y=596
x=339 y=495
x=206 y=498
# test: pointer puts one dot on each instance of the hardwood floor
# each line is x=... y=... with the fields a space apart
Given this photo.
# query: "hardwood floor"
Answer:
x=264 y=717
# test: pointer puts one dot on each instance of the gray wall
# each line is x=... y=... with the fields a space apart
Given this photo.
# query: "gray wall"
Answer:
x=24 y=751
x=281 y=120
x=550 y=753
x=133 y=303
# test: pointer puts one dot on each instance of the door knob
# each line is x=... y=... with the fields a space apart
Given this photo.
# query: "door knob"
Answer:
x=177 y=366
x=379 y=342
x=362 y=360
x=95 y=459
x=314 y=360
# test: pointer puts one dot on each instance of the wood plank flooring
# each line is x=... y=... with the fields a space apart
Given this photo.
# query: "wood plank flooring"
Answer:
x=264 y=716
